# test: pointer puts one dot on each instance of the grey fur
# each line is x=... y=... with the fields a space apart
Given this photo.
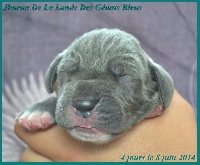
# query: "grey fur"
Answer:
x=110 y=66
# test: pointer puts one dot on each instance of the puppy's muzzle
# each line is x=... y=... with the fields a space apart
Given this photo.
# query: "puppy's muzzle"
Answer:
x=83 y=108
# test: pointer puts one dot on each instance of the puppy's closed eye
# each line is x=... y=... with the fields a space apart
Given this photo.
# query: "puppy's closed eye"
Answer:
x=117 y=70
x=119 y=73
x=65 y=73
x=70 y=65
x=70 y=69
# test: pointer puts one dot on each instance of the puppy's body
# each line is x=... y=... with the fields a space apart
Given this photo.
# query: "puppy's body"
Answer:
x=106 y=84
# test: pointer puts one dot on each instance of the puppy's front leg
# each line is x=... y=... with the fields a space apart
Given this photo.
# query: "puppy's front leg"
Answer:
x=38 y=116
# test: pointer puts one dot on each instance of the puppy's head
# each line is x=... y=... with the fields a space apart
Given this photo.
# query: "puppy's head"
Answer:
x=106 y=84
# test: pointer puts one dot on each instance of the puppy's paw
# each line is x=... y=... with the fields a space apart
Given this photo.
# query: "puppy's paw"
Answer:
x=38 y=116
x=35 y=120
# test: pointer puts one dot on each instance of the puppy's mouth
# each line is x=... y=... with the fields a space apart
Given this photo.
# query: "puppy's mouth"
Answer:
x=84 y=126
x=89 y=130
x=87 y=133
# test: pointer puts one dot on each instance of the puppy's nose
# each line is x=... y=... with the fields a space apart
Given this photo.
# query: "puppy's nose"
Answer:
x=83 y=108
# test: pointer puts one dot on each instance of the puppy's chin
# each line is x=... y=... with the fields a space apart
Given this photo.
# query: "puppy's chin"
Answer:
x=90 y=135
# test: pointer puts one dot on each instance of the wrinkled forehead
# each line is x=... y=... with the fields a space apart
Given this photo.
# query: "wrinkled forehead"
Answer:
x=125 y=63
x=96 y=48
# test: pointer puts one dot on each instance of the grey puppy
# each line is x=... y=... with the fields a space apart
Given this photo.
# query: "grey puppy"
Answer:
x=106 y=85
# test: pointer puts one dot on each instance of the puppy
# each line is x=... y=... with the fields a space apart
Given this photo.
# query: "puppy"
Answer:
x=106 y=84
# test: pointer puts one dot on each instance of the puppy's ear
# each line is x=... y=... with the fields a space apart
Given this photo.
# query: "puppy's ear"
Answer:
x=51 y=74
x=164 y=83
